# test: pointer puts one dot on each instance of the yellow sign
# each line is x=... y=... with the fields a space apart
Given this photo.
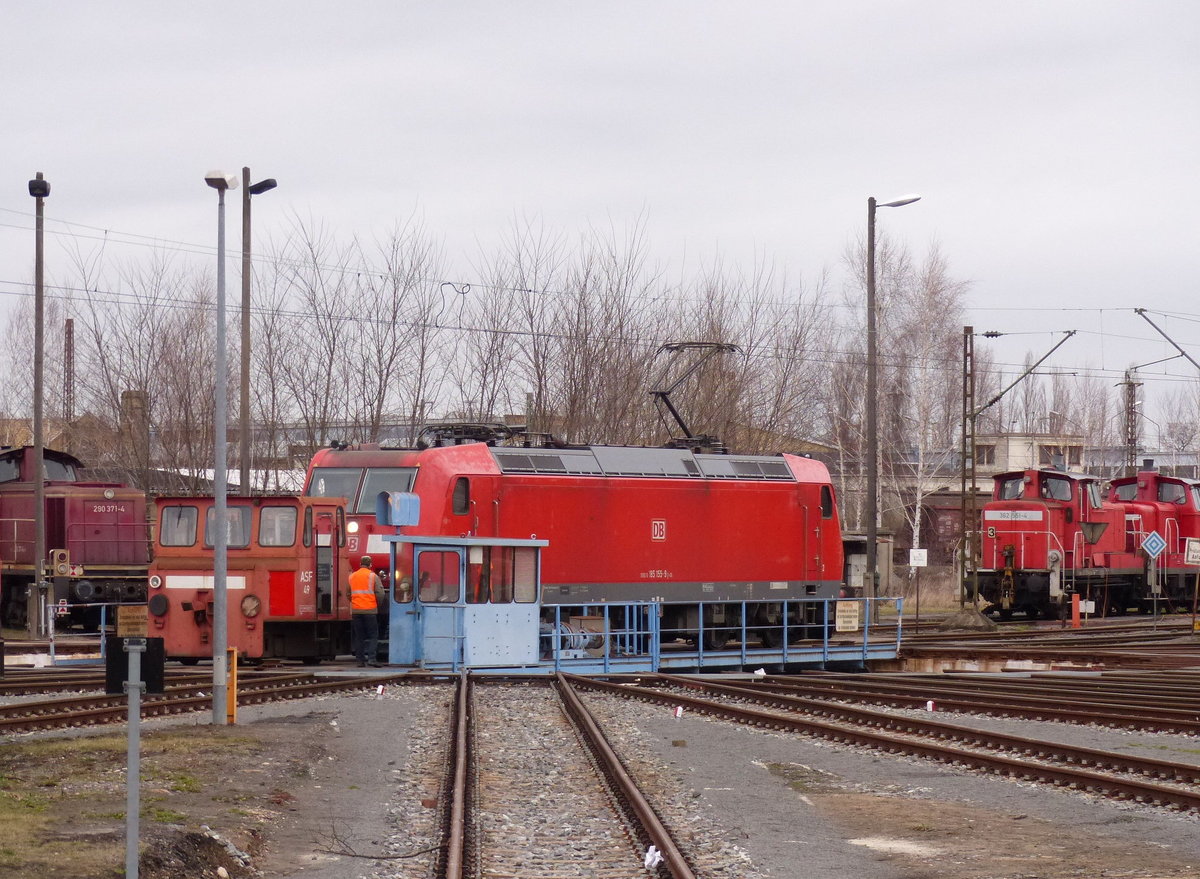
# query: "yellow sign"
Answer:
x=132 y=621
x=846 y=618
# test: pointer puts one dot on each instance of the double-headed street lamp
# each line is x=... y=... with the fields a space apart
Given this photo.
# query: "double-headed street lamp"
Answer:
x=873 y=395
x=220 y=181
x=248 y=189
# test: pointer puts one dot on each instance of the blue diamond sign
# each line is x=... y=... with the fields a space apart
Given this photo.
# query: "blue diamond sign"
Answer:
x=1154 y=544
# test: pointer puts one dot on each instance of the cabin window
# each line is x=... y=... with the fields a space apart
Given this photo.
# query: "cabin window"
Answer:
x=826 y=502
x=1127 y=492
x=307 y=537
x=380 y=479
x=501 y=591
x=1172 y=493
x=1093 y=493
x=1056 y=489
x=462 y=496
x=525 y=574
x=277 y=526
x=1012 y=488
x=177 y=526
x=335 y=482
x=438 y=577
x=1196 y=497
x=339 y=518
x=237 y=526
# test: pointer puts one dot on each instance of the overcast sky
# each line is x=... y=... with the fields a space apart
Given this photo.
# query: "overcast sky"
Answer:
x=1055 y=144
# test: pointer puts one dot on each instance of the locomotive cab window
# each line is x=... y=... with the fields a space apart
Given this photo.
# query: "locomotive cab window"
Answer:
x=10 y=469
x=462 y=496
x=1127 y=492
x=383 y=479
x=335 y=482
x=307 y=538
x=1171 y=493
x=1196 y=497
x=1093 y=494
x=1011 y=489
x=177 y=526
x=277 y=526
x=237 y=526
x=59 y=471
x=826 y=502
x=1056 y=489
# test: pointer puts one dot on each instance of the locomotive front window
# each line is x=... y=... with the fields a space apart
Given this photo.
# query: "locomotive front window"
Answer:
x=1056 y=489
x=237 y=526
x=277 y=526
x=335 y=482
x=177 y=526
x=383 y=479
x=1093 y=493
x=1011 y=489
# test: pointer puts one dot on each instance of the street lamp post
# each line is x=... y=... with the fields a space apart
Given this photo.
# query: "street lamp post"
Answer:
x=220 y=181
x=39 y=188
x=248 y=190
x=873 y=396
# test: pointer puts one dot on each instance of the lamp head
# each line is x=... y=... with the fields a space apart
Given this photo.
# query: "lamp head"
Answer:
x=39 y=188
x=221 y=181
x=901 y=201
x=262 y=186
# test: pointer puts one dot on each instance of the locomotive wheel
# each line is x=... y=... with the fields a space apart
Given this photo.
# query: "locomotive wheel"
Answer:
x=770 y=638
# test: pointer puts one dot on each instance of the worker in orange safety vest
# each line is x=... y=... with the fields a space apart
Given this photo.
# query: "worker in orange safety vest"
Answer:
x=366 y=592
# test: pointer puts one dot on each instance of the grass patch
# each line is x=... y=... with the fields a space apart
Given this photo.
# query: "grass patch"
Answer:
x=163 y=815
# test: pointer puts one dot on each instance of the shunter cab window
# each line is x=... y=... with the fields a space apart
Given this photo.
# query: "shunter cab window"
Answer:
x=1093 y=493
x=383 y=479
x=1012 y=488
x=1127 y=492
x=277 y=526
x=177 y=526
x=237 y=526
x=59 y=471
x=1171 y=493
x=1196 y=497
x=1056 y=489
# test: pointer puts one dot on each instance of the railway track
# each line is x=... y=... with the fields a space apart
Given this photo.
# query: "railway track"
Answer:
x=1120 y=776
x=534 y=789
x=76 y=711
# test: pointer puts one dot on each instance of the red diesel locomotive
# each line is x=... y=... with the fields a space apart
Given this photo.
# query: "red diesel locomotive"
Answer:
x=1048 y=535
x=624 y=524
x=286 y=586
x=97 y=538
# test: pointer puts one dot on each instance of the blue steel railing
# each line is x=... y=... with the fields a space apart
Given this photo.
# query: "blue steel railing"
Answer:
x=610 y=635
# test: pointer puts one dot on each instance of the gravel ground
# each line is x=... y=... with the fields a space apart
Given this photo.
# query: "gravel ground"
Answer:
x=792 y=807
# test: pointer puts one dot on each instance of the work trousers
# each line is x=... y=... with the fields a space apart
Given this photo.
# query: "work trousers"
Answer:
x=364 y=635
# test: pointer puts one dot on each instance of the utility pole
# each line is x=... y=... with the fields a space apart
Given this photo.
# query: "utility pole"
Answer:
x=1132 y=423
x=248 y=190
x=39 y=188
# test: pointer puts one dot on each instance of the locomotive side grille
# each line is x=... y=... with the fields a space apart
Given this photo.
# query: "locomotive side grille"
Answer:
x=621 y=461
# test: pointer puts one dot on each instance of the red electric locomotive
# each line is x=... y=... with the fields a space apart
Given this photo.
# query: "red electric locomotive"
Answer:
x=97 y=539
x=287 y=592
x=624 y=524
x=1168 y=506
x=1048 y=535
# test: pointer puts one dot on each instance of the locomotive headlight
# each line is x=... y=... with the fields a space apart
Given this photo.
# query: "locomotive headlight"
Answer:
x=352 y=527
x=155 y=581
x=251 y=605
x=109 y=494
